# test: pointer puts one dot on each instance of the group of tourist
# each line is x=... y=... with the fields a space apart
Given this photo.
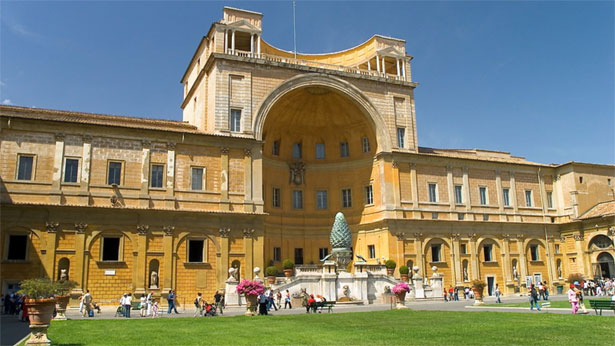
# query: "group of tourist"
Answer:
x=313 y=303
x=204 y=308
x=268 y=300
x=452 y=294
x=15 y=304
x=600 y=287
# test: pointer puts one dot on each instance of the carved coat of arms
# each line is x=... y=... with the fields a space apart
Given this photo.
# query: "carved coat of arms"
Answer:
x=297 y=173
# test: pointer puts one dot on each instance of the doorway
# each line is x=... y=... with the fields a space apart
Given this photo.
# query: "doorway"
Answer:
x=491 y=285
x=607 y=265
x=537 y=279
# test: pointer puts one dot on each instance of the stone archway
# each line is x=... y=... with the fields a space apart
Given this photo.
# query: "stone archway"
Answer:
x=606 y=265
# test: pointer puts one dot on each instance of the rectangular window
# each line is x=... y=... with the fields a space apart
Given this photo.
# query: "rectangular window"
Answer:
x=528 y=198
x=433 y=192
x=401 y=133
x=277 y=254
x=371 y=251
x=463 y=249
x=298 y=255
x=235 y=125
x=365 y=142
x=25 y=164
x=297 y=199
x=196 y=249
x=110 y=248
x=434 y=216
x=485 y=217
x=320 y=150
x=369 y=195
x=197 y=178
x=506 y=195
x=556 y=248
x=275 y=200
x=115 y=173
x=458 y=194
x=321 y=200
x=275 y=150
x=17 y=247
x=297 y=150
x=71 y=170
x=534 y=252
x=323 y=252
x=157 y=176
x=344 y=151
x=435 y=252
x=461 y=216
x=482 y=191
x=346 y=198
x=487 y=252
x=549 y=199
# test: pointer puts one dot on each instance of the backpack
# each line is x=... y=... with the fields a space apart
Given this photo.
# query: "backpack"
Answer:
x=91 y=313
x=196 y=302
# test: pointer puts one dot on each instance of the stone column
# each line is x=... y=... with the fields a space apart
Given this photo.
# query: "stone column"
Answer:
x=257 y=179
x=84 y=195
x=513 y=197
x=384 y=69
x=167 y=243
x=144 y=193
x=466 y=192
x=248 y=249
x=233 y=42
x=401 y=259
x=252 y=44
x=396 y=185
x=247 y=180
x=522 y=258
x=582 y=262
x=420 y=254
x=415 y=191
x=551 y=261
x=457 y=278
x=140 y=267
x=474 y=257
x=170 y=193
x=498 y=188
x=226 y=41
x=223 y=258
x=543 y=196
x=506 y=260
x=451 y=190
x=58 y=158
x=258 y=44
x=224 y=180
x=377 y=63
x=50 y=248
x=397 y=65
x=79 y=262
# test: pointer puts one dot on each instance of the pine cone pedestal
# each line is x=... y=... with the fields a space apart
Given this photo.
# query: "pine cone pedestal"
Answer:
x=342 y=258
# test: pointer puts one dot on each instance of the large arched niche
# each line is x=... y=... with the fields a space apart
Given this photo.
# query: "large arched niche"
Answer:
x=346 y=91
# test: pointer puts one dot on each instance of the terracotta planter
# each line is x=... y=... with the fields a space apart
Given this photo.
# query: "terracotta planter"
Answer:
x=404 y=277
x=288 y=272
x=61 y=304
x=390 y=271
x=40 y=311
x=401 y=297
x=271 y=279
x=478 y=296
x=252 y=304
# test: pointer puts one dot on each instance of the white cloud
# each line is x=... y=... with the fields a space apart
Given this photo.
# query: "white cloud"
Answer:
x=7 y=102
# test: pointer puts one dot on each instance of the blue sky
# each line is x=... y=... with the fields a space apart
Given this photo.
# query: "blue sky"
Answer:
x=532 y=78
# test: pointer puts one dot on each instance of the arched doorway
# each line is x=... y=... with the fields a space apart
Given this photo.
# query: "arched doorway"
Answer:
x=606 y=265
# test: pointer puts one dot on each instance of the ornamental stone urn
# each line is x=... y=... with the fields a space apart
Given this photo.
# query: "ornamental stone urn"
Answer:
x=341 y=239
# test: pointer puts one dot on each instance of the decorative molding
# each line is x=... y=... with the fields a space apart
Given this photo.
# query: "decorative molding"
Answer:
x=506 y=236
x=146 y=143
x=247 y=152
x=400 y=236
x=455 y=236
x=579 y=237
x=224 y=150
x=297 y=173
x=472 y=236
x=52 y=226
x=562 y=239
x=611 y=231
x=168 y=230
x=115 y=201
x=418 y=235
x=224 y=232
x=171 y=146
x=60 y=136
x=142 y=229
x=81 y=227
x=395 y=164
x=521 y=236
x=248 y=232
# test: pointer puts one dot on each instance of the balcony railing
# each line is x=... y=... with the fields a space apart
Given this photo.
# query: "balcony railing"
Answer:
x=316 y=64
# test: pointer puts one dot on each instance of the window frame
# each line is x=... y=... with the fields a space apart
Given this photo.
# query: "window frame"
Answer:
x=235 y=124
x=506 y=196
x=162 y=177
x=369 y=194
x=302 y=255
x=297 y=149
x=439 y=253
x=205 y=250
x=120 y=249
x=32 y=169
x=371 y=251
x=461 y=216
x=322 y=254
x=344 y=149
x=463 y=248
x=296 y=193
x=64 y=170
x=317 y=151
x=537 y=248
x=483 y=195
x=429 y=185
x=318 y=200
x=401 y=139
x=203 y=178
x=550 y=200
x=277 y=254
x=276 y=197
x=365 y=146
x=7 y=246
x=491 y=257
x=347 y=200
x=529 y=199
x=121 y=178
x=275 y=148
x=458 y=194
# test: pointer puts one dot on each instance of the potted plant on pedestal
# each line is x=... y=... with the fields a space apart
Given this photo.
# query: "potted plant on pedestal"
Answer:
x=403 y=272
x=400 y=291
x=478 y=286
x=251 y=289
x=390 y=264
x=64 y=287
x=271 y=273
x=288 y=267
x=40 y=303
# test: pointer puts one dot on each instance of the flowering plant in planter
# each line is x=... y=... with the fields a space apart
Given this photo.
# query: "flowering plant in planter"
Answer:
x=250 y=288
x=401 y=287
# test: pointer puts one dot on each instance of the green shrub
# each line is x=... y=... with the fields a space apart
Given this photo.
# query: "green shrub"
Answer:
x=271 y=271
x=390 y=264
x=479 y=284
x=404 y=270
x=64 y=287
x=39 y=288
x=288 y=264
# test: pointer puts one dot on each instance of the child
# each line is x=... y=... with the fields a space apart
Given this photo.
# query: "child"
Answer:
x=154 y=308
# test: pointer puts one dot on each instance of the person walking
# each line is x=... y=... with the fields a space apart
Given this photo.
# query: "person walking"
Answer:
x=198 y=305
x=546 y=291
x=127 y=305
x=498 y=294
x=278 y=297
x=171 y=300
x=149 y=300
x=572 y=298
x=142 y=305
x=218 y=299
x=533 y=295
x=287 y=301
x=87 y=303
x=456 y=294
x=271 y=301
x=262 y=304
x=445 y=294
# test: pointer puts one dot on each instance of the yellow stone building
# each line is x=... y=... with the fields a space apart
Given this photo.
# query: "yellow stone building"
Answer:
x=272 y=146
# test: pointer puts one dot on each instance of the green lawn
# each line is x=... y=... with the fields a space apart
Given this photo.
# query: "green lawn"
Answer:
x=554 y=304
x=393 y=327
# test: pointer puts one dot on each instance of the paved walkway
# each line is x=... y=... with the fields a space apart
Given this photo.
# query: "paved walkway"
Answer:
x=12 y=330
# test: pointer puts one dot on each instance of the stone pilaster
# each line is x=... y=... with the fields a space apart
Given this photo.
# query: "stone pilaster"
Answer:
x=223 y=264
x=248 y=248
x=58 y=160
x=474 y=257
x=167 y=244
x=247 y=178
x=80 y=259
x=415 y=191
x=84 y=195
x=145 y=158
x=141 y=265
x=522 y=257
x=52 y=228
x=224 y=181
x=170 y=193
x=456 y=260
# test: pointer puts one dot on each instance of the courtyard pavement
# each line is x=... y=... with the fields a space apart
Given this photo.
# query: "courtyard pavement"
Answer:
x=13 y=330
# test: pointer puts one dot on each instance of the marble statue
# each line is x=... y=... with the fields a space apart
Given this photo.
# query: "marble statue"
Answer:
x=515 y=273
x=63 y=275
x=465 y=274
x=559 y=270
x=153 y=280
x=346 y=291
x=231 y=274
